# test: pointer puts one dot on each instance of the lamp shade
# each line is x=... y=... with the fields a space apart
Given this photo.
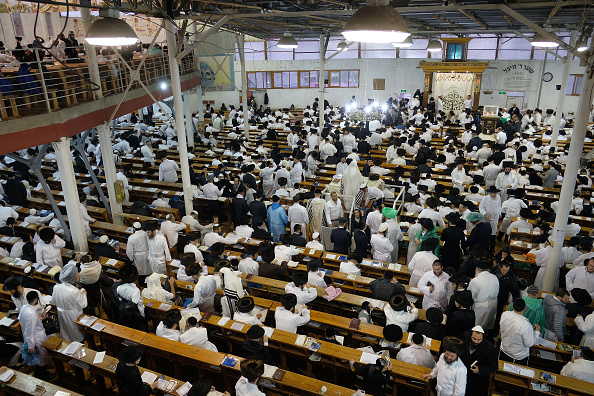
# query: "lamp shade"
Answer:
x=404 y=44
x=287 y=41
x=541 y=41
x=434 y=46
x=376 y=24
x=342 y=46
x=110 y=32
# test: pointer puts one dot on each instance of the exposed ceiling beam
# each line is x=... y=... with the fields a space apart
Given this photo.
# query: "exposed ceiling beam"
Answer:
x=203 y=36
x=552 y=13
x=473 y=18
x=521 y=18
x=545 y=49
x=402 y=10
x=447 y=21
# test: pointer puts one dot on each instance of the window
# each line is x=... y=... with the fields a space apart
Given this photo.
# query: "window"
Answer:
x=574 y=84
x=302 y=79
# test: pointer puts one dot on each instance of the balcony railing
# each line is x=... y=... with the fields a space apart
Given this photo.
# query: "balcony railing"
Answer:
x=24 y=90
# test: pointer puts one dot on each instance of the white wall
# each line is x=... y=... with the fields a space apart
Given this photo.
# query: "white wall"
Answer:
x=403 y=74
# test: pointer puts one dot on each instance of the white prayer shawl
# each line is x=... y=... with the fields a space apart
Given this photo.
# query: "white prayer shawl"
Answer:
x=351 y=183
x=197 y=336
x=70 y=302
x=485 y=288
x=155 y=291
x=137 y=252
x=233 y=290
x=419 y=265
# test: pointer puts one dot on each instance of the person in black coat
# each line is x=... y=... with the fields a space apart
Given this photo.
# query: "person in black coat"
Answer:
x=362 y=245
x=453 y=238
x=140 y=208
x=258 y=209
x=248 y=178
x=256 y=344
x=481 y=359
x=375 y=376
x=459 y=280
x=128 y=376
x=298 y=240
x=386 y=287
x=341 y=238
x=582 y=303
x=463 y=318
x=239 y=210
x=432 y=328
x=480 y=234
x=103 y=249
x=16 y=192
x=260 y=232
x=507 y=284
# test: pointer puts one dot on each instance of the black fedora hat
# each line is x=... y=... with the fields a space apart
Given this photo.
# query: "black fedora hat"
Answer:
x=130 y=354
x=398 y=302
x=245 y=304
x=255 y=332
x=128 y=273
x=465 y=299
x=459 y=278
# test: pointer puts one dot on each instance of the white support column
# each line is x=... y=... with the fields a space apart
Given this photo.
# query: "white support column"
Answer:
x=68 y=181
x=561 y=98
x=91 y=52
x=179 y=116
x=189 y=121
x=200 y=110
x=321 y=81
x=109 y=167
x=571 y=171
x=240 y=47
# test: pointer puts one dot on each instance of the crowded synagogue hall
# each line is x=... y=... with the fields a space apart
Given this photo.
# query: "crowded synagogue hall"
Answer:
x=325 y=197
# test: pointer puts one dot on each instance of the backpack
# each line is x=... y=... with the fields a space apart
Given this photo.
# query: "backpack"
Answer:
x=124 y=312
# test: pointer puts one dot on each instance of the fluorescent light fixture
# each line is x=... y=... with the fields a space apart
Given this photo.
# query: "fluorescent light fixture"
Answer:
x=287 y=41
x=434 y=46
x=163 y=86
x=583 y=46
x=376 y=22
x=111 y=32
x=384 y=107
x=348 y=108
x=404 y=44
x=342 y=46
x=541 y=41
x=368 y=109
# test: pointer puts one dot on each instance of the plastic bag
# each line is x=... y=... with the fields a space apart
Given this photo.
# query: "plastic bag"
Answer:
x=30 y=359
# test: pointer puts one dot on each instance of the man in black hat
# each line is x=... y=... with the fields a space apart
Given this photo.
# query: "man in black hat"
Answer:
x=269 y=270
x=480 y=357
x=450 y=370
x=128 y=375
x=453 y=238
x=251 y=371
x=256 y=343
x=459 y=284
x=432 y=327
x=245 y=306
x=400 y=312
x=202 y=388
x=507 y=285
x=581 y=368
x=375 y=376
x=506 y=180
x=127 y=308
x=258 y=210
x=385 y=287
x=286 y=318
x=462 y=319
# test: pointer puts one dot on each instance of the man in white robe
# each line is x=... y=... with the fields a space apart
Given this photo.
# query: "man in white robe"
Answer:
x=296 y=172
x=168 y=170
x=158 y=250
x=485 y=288
x=416 y=353
x=34 y=333
x=298 y=215
x=395 y=234
x=350 y=184
x=436 y=287
x=196 y=335
x=70 y=302
x=137 y=250
x=422 y=261
x=380 y=245
x=506 y=180
x=490 y=207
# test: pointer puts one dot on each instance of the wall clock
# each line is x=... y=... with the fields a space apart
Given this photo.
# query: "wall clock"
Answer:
x=547 y=77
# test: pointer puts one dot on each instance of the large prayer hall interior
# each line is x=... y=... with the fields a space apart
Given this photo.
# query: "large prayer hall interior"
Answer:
x=297 y=197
